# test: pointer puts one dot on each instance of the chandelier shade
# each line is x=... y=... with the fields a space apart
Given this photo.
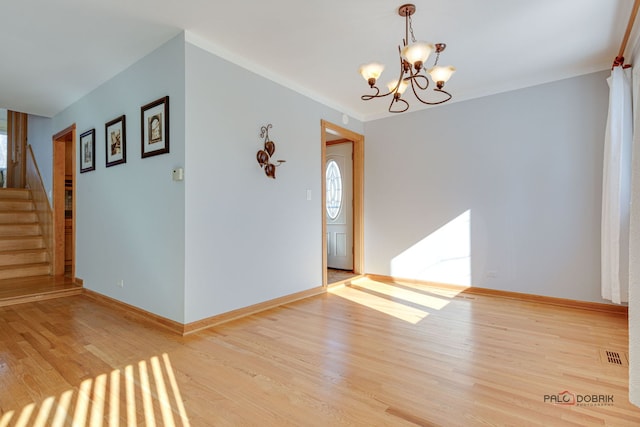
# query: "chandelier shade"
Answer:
x=412 y=55
x=371 y=71
x=441 y=74
x=417 y=53
x=399 y=88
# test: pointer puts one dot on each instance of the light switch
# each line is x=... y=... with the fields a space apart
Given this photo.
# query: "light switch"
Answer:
x=308 y=194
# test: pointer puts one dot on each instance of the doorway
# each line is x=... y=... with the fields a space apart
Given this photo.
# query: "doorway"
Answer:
x=64 y=202
x=342 y=203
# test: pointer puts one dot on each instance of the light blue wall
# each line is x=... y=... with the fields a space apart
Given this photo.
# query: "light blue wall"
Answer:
x=39 y=136
x=526 y=164
x=130 y=217
x=249 y=238
x=228 y=236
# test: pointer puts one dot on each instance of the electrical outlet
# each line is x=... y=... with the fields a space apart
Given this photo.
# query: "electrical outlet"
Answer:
x=121 y=283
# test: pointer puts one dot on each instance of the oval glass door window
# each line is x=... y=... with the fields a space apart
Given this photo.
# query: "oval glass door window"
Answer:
x=334 y=189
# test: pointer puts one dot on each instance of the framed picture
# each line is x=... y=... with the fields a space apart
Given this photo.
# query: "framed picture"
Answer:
x=116 y=141
x=155 y=127
x=87 y=151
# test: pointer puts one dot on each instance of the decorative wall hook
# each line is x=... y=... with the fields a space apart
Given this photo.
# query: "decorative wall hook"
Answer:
x=264 y=156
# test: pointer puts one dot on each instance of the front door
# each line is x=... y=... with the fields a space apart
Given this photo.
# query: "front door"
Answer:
x=339 y=205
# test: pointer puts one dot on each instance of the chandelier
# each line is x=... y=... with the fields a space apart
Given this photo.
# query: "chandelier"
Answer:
x=413 y=57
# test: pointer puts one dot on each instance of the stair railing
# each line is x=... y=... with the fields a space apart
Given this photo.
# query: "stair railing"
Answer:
x=40 y=200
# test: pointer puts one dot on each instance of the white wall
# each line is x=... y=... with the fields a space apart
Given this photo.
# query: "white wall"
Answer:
x=130 y=217
x=524 y=165
x=249 y=238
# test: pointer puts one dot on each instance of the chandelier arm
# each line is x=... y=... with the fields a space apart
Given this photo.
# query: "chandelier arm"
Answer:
x=369 y=97
x=394 y=100
x=415 y=78
x=377 y=94
x=449 y=96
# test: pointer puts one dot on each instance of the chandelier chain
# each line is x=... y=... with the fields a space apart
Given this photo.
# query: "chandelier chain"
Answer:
x=413 y=38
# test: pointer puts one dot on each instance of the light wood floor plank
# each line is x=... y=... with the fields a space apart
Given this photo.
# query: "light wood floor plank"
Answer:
x=369 y=354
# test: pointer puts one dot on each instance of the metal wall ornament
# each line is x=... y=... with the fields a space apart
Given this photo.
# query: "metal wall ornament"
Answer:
x=264 y=156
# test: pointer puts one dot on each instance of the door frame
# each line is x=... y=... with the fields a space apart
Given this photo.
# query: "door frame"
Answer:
x=59 y=157
x=358 y=195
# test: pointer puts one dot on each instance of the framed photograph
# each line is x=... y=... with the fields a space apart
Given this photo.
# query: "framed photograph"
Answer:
x=116 y=141
x=87 y=151
x=155 y=127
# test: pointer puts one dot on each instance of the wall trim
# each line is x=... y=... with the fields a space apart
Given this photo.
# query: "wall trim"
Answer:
x=209 y=322
x=219 y=319
x=541 y=299
x=136 y=312
x=199 y=325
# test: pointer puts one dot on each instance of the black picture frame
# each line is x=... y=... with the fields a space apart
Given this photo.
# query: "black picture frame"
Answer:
x=154 y=127
x=115 y=135
x=88 y=151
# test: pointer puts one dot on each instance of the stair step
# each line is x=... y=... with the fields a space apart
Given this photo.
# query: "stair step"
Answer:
x=22 y=247
x=36 y=288
x=16 y=204
x=22 y=257
x=32 y=229
x=8 y=243
x=18 y=217
x=26 y=270
x=15 y=193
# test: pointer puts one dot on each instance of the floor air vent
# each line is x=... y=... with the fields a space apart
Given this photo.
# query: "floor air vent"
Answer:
x=611 y=357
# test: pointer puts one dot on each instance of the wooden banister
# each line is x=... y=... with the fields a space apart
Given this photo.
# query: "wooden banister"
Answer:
x=39 y=193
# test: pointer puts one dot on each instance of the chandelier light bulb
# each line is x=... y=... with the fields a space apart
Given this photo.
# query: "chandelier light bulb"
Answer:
x=371 y=72
x=417 y=53
x=403 y=86
x=441 y=74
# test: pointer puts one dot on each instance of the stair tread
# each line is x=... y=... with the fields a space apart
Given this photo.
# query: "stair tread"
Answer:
x=21 y=251
x=24 y=266
x=16 y=200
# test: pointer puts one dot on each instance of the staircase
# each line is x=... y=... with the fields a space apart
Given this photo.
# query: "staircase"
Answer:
x=22 y=248
x=25 y=264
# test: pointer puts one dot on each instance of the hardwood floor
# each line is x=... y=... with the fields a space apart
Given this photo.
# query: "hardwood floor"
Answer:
x=334 y=275
x=369 y=354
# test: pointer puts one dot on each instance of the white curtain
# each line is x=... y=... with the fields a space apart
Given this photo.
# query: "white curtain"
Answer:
x=634 y=255
x=616 y=184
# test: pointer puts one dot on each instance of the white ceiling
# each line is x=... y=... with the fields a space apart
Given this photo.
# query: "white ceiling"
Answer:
x=54 y=52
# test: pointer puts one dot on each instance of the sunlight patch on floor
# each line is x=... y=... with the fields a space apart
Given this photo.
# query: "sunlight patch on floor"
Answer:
x=409 y=302
x=402 y=293
x=151 y=382
x=383 y=305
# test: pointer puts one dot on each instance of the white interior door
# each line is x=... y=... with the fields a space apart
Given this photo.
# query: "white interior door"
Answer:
x=339 y=209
